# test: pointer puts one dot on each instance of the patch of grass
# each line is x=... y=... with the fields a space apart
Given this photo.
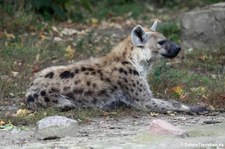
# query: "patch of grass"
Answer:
x=81 y=115
x=202 y=80
x=31 y=119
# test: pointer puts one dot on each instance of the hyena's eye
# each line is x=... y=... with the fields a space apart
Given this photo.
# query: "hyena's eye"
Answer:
x=161 y=42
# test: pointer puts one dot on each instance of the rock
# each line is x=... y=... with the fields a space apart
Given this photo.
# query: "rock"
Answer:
x=161 y=127
x=204 y=28
x=56 y=127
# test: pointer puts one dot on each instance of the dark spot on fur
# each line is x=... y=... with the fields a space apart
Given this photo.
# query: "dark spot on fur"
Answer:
x=76 y=71
x=135 y=72
x=31 y=84
x=93 y=73
x=55 y=101
x=53 y=90
x=66 y=74
x=80 y=101
x=56 y=95
x=94 y=101
x=121 y=70
x=119 y=83
x=89 y=93
x=140 y=90
x=134 y=85
x=101 y=78
x=83 y=69
x=43 y=93
x=35 y=95
x=137 y=99
x=136 y=93
x=88 y=83
x=76 y=82
x=47 y=99
x=86 y=73
x=125 y=80
x=94 y=85
x=125 y=62
x=148 y=107
x=70 y=95
x=30 y=99
x=66 y=88
x=102 y=92
x=162 y=103
x=115 y=87
x=90 y=69
x=107 y=80
x=132 y=90
x=130 y=71
x=99 y=71
x=49 y=75
x=78 y=91
x=114 y=69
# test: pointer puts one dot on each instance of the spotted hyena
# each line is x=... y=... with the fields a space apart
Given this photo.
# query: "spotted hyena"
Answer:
x=118 y=77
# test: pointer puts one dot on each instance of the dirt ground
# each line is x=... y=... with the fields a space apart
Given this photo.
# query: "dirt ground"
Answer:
x=112 y=129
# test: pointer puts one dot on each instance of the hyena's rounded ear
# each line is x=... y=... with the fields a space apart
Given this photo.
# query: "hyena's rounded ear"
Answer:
x=154 y=26
x=138 y=36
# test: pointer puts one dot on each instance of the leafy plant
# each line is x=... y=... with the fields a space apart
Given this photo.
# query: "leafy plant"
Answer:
x=171 y=30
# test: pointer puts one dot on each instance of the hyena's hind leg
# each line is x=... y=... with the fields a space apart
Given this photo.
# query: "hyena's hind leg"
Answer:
x=42 y=99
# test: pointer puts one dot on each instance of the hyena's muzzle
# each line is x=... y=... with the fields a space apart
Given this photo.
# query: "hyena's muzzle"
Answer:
x=171 y=49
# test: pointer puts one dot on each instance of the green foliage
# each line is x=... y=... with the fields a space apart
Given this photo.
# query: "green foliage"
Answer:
x=171 y=30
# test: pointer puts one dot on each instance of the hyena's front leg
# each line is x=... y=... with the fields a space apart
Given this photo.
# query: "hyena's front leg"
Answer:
x=142 y=99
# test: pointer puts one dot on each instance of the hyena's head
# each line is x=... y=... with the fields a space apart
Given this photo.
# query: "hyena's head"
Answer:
x=152 y=44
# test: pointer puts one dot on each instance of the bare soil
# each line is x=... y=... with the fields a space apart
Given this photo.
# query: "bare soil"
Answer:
x=120 y=132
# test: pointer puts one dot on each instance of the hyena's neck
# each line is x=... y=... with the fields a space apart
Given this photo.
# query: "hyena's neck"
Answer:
x=126 y=51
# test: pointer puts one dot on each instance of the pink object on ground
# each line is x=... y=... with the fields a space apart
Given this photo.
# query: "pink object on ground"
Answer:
x=161 y=127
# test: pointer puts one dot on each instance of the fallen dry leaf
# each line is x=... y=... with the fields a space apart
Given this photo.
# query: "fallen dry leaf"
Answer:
x=154 y=114
x=94 y=21
x=8 y=35
x=178 y=90
x=69 y=52
x=68 y=32
x=2 y=122
x=22 y=112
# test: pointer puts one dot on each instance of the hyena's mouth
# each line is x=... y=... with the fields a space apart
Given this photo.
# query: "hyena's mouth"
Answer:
x=171 y=49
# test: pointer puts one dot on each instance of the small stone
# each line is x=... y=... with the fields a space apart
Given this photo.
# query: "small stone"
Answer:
x=56 y=127
x=161 y=127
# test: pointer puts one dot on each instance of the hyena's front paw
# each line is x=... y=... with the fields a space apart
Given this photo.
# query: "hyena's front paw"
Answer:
x=30 y=103
x=198 y=109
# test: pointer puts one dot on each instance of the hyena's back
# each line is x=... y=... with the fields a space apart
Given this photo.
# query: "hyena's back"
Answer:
x=91 y=83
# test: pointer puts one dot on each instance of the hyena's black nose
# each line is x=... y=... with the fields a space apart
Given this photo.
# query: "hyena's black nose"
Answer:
x=178 y=48
x=171 y=48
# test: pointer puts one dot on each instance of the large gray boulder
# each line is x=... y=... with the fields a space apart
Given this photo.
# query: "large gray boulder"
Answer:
x=56 y=127
x=204 y=28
